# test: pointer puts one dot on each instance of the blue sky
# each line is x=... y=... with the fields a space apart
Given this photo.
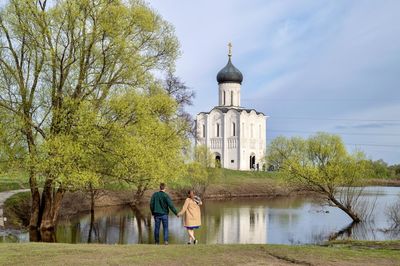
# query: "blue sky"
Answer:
x=310 y=65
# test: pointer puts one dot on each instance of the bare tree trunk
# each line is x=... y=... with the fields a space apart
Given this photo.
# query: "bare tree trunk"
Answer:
x=91 y=228
x=122 y=227
x=48 y=236
x=51 y=204
x=34 y=235
x=345 y=231
x=92 y=197
x=46 y=206
x=348 y=211
x=35 y=208
x=35 y=220
x=57 y=204
x=139 y=219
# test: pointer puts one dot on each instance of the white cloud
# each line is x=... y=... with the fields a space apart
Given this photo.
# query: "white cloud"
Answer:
x=299 y=58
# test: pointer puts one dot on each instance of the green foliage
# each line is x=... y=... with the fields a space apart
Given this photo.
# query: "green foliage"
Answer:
x=202 y=171
x=12 y=150
x=70 y=158
x=85 y=79
x=395 y=171
x=144 y=146
x=321 y=162
x=378 y=169
x=82 y=104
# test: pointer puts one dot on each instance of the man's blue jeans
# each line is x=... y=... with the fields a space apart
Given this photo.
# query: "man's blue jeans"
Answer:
x=164 y=220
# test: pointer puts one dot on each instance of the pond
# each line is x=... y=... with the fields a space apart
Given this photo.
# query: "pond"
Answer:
x=289 y=220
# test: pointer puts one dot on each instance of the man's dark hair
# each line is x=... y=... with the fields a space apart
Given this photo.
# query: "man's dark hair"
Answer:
x=162 y=186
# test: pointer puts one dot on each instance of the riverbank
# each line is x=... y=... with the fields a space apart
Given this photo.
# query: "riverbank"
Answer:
x=337 y=253
x=232 y=184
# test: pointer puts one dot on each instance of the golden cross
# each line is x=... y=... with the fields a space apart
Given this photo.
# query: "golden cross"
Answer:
x=230 y=49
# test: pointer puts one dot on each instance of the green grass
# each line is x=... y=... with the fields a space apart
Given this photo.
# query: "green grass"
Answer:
x=13 y=181
x=235 y=176
x=83 y=254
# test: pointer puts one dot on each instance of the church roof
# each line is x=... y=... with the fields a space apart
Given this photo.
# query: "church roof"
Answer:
x=225 y=109
x=229 y=73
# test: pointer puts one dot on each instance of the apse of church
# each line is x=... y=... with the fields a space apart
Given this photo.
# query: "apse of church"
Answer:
x=234 y=134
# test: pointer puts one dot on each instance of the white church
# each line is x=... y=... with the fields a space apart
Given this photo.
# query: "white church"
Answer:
x=234 y=134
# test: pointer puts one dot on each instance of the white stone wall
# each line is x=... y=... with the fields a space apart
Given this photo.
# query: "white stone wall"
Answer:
x=234 y=146
x=253 y=138
x=231 y=156
x=229 y=94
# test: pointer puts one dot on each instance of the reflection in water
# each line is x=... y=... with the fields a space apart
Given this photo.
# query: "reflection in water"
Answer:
x=282 y=220
x=48 y=236
x=345 y=232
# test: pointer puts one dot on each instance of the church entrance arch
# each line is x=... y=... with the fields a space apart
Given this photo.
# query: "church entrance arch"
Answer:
x=252 y=161
x=217 y=160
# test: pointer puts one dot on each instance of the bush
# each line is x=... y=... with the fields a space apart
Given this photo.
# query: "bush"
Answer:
x=17 y=209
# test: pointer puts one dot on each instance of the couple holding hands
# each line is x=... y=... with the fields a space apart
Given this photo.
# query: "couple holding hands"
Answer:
x=160 y=204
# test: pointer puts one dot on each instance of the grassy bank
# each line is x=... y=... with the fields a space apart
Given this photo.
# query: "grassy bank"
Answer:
x=386 y=253
x=13 y=182
x=16 y=209
x=248 y=184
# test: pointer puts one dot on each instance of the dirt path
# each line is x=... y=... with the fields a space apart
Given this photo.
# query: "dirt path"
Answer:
x=3 y=197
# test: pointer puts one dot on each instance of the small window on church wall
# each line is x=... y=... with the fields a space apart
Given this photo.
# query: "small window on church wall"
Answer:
x=217 y=130
x=233 y=129
x=231 y=97
x=224 y=98
x=204 y=131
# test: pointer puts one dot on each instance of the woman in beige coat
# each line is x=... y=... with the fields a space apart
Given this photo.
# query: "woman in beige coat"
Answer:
x=192 y=212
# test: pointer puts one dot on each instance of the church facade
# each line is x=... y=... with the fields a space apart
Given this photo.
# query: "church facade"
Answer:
x=235 y=135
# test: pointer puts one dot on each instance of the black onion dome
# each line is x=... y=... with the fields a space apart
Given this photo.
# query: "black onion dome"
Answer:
x=229 y=74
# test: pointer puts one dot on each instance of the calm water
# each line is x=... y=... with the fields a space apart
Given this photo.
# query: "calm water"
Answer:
x=295 y=220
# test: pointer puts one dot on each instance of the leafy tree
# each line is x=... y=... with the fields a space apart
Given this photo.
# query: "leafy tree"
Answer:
x=203 y=170
x=378 y=169
x=145 y=144
x=322 y=164
x=63 y=65
x=395 y=170
x=12 y=150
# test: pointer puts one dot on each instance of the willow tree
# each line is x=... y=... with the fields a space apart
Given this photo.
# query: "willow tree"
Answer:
x=61 y=62
x=144 y=140
x=12 y=151
x=322 y=165
x=203 y=170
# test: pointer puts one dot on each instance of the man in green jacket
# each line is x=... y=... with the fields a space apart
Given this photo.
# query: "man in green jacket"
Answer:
x=160 y=204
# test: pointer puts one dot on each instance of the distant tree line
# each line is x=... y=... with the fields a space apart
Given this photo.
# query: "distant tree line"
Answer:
x=380 y=169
